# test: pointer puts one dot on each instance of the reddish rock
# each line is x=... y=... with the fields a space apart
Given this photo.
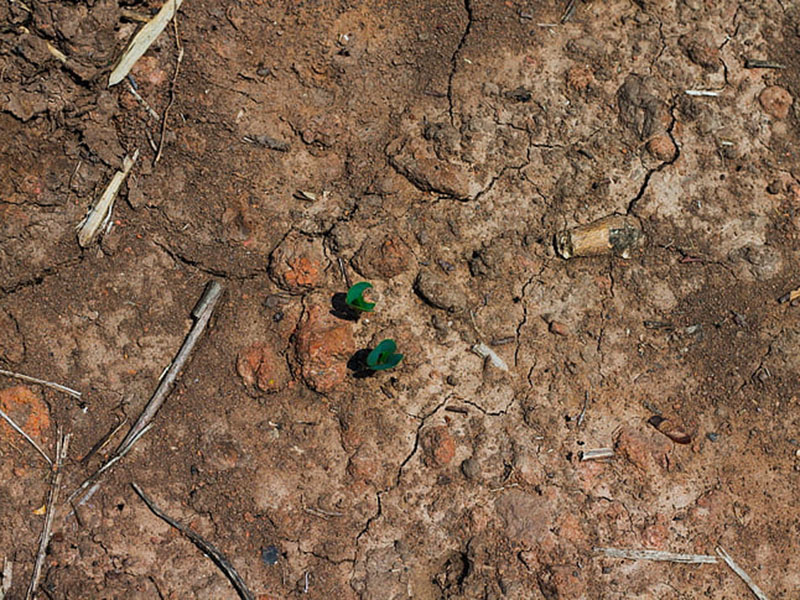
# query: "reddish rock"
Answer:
x=259 y=364
x=776 y=101
x=27 y=410
x=384 y=257
x=559 y=328
x=661 y=147
x=363 y=465
x=296 y=265
x=645 y=451
x=438 y=446
x=324 y=345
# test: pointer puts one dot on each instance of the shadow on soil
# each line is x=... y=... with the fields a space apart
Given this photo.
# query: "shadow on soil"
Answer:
x=358 y=364
x=340 y=308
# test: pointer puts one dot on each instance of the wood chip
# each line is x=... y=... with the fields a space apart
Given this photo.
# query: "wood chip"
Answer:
x=99 y=216
x=143 y=40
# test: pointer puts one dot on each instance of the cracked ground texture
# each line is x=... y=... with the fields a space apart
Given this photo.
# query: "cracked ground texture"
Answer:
x=443 y=144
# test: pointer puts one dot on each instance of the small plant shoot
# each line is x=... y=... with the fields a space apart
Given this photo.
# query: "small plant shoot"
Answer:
x=383 y=356
x=355 y=297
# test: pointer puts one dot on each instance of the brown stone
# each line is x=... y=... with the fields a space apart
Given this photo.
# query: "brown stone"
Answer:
x=259 y=364
x=661 y=147
x=324 y=345
x=776 y=101
x=296 y=264
x=438 y=446
x=559 y=328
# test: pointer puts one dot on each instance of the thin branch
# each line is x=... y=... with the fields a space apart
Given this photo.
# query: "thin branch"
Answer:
x=29 y=439
x=62 y=445
x=202 y=313
x=657 y=555
x=172 y=85
x=50 y=384
x=207 y=547
x=744 y=576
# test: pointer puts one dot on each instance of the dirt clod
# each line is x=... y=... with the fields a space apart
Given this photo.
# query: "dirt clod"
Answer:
x=438 y=446
x=776 y=101
x=259 y=364
x=324 y=345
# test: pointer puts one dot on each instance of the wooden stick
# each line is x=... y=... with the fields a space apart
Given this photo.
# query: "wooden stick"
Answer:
x=202 y=313
x=8 y=572
x=207 y=547
x=634 y=554
x=744 y=576
x=50 y=384
x=172 y=85
x=29 y=439
x=62 y=445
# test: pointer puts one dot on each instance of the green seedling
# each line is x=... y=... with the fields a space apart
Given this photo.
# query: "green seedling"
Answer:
x=383 y=356
x=355 y=297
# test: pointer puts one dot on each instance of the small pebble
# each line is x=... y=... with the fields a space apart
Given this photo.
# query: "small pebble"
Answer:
x=270 y=555
x=470 y=468
x=712 y=436
x=558 y=328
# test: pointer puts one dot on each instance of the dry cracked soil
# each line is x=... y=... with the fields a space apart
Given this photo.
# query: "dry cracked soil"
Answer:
x=433 y=148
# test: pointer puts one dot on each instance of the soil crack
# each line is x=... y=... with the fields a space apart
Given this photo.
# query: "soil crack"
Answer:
x=454 y=60
x=661 y=166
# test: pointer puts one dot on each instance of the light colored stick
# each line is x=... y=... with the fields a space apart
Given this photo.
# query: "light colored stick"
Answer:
x=8 y=572
x=62 y=445
x=142 y=41
x=100 y=214
x=143 y=102
x=207 y=547
x=483 y=351
x=597 y=454
x=658 y=555
x=103 y=468
x=744 y=576
x=28 y=438
x=50 y=384
x=202 y=312
x=707 y=93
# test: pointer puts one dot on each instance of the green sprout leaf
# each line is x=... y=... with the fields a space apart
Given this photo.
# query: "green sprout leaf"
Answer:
x=355 y=297
x=383 y=356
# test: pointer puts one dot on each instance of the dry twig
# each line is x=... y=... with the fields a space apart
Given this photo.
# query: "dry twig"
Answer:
x=28 y=438
x=657 y=555
x=207 y=547
x=744 y=576
x=62 y=445
x=50 y=384
x=172 y=85
x=202 y=312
